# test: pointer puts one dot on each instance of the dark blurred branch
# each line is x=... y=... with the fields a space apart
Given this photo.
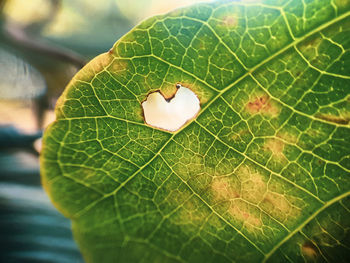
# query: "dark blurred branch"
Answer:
x=19 y=37
x=23 y=37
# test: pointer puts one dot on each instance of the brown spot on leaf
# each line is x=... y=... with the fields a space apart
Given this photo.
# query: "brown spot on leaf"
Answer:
x=230 y=21
x=253 y=184
x=225 y=189
x=309 y=251
x=280 y=207
x=263 y=105
x=275 y=147
x=245 y=214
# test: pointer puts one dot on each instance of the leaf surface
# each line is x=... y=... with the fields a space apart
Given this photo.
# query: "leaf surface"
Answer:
x=262 y=172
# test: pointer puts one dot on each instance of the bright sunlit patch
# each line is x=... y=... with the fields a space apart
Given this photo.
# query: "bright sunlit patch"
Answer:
x=145 y=8
x=171 y=114
x=66 y=22
x=26 y=12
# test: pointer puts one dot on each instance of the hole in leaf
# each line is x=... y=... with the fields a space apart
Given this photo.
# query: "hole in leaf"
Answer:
x=171 y=114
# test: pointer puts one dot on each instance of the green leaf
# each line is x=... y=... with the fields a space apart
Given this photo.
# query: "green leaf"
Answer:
x=262 y=172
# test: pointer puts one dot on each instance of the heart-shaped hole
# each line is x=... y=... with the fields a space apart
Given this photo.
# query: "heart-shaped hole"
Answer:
x=171 y=114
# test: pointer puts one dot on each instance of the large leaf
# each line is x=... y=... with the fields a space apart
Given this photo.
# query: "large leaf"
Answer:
x=262 y=172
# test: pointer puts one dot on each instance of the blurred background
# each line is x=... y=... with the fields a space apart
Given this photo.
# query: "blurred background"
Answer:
x=43 y=43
